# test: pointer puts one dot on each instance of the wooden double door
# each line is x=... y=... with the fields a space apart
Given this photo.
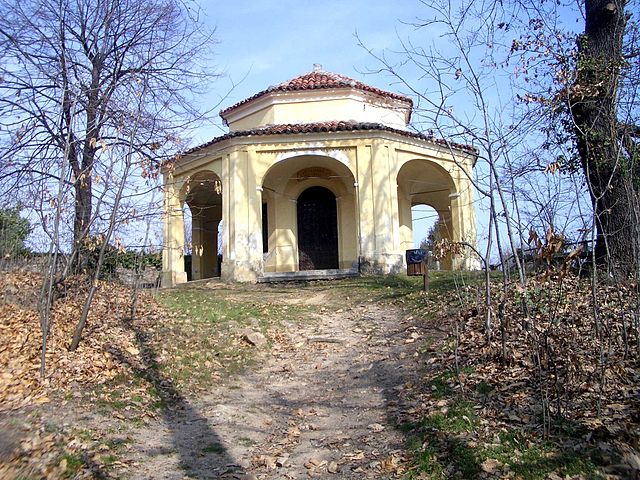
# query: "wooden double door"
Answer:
x=317 y=229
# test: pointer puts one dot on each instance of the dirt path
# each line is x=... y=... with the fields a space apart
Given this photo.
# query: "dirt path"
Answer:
x=322 y=403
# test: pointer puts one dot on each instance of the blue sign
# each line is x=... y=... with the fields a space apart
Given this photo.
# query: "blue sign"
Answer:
x=417 y=255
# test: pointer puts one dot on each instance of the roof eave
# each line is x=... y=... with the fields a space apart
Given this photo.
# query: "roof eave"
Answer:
x=252 y=99
x=321 y=129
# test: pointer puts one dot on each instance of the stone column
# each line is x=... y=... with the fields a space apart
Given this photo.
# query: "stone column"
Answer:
x=463 y=212
x=405 y=220
x=365 y=207
x=379 y=217
x=173 y=248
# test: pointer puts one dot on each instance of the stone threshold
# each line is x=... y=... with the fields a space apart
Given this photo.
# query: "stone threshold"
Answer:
x=304 y=275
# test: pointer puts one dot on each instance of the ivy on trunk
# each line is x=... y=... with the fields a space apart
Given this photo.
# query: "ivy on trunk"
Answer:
x=608 y=152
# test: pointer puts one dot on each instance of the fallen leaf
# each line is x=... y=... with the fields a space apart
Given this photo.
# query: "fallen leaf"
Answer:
x=376 y=427
x=490 y=465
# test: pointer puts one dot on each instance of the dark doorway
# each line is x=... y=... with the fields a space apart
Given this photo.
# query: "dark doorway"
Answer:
x=317 y=229
x=265 y=228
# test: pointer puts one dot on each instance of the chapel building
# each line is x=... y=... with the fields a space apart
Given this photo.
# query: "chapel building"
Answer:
x=316 y=176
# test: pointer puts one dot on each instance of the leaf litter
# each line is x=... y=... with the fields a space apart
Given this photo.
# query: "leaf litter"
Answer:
x=109 y=355
x=496 y=377
x=548 y=375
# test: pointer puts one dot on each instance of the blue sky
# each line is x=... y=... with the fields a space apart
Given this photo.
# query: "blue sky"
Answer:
x=269 y=42
x=260 y=44
x=265 y=43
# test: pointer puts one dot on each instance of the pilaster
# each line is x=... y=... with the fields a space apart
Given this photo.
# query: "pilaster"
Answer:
x=244 y=220
x=173 y=233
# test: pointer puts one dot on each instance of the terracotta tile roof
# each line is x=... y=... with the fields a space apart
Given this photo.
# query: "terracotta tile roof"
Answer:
x=322 y=127
x=318 y=80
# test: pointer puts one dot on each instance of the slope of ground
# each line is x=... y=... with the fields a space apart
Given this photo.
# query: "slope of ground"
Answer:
x=348 y=379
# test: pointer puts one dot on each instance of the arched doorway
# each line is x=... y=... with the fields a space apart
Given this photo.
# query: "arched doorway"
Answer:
x=287 y=193
x=317 y=229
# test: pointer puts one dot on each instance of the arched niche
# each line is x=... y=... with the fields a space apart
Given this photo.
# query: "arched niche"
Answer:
x=281 y=188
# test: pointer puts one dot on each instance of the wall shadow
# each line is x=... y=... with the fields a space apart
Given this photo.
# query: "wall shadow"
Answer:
x=200 y=449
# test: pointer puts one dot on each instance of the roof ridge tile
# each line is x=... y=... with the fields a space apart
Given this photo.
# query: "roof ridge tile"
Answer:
x=319 y=80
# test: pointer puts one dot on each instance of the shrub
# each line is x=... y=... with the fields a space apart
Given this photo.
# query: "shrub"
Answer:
x=14 y=230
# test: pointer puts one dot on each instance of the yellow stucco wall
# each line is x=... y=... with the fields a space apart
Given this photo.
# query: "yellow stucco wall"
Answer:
x=378 y=178
x=321 y=106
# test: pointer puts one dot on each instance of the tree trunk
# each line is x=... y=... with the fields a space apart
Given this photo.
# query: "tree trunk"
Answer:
x=82 y=220
x=84 y=181
x=609 y=170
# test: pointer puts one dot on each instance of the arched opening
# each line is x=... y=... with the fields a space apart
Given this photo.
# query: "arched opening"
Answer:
x=317 y=229
x=426 y=193
x=294 y=213
x=203 y=195
x=428 y=230
x=188 y=240
x=424 y=223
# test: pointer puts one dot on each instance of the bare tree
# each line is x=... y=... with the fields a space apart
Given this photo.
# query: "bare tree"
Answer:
x=552 y=113
x=128 y=164
x=70 y=70
x=586 y=83
x=457 y=94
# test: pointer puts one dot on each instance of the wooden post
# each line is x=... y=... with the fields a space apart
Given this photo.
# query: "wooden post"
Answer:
x=425 y=276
